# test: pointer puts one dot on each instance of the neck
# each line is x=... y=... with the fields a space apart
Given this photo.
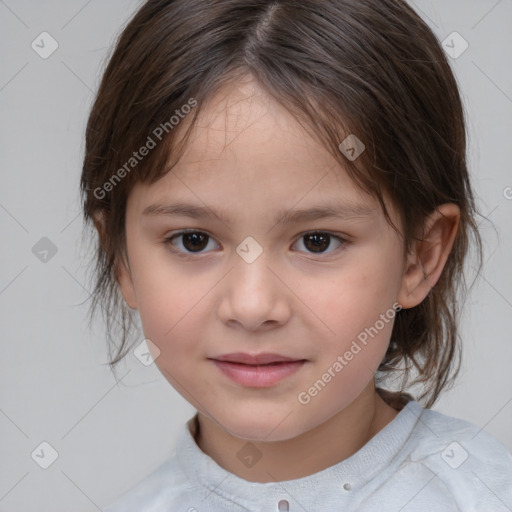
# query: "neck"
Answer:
x=347 y=432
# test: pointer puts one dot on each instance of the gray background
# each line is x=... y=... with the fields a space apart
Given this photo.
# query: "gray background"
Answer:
x=54 y=384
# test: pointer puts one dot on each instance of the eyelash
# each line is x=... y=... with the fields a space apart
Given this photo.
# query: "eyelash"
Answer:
x=168 y=241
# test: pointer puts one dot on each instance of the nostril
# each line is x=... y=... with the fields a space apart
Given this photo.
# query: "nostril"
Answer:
x=283 y=506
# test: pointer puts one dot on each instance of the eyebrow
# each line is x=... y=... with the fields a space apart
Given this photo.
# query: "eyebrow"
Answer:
x=334 y=211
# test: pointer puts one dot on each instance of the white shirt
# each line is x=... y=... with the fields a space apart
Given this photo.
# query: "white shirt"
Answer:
x=421 y=461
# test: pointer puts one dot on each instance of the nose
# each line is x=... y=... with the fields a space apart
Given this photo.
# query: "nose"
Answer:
x=254 y=296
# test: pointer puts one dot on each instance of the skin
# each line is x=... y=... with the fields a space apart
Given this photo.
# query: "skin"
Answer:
x=249 y=158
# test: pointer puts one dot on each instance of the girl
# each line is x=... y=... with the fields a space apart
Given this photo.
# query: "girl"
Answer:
x=281 y=193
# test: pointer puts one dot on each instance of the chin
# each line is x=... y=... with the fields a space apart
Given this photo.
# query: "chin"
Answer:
x=263 y=430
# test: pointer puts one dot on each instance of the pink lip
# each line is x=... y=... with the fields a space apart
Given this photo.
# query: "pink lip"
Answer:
x=257 y=371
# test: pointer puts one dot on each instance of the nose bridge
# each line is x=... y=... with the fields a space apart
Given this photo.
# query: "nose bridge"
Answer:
x=252 y=294
x=251 y=273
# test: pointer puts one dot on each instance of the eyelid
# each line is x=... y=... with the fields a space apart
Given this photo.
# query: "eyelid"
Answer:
x=334 y=234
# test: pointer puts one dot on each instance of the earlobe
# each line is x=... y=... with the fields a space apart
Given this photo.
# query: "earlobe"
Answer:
x=428 y=256
x=125 y=281
x=121 y=272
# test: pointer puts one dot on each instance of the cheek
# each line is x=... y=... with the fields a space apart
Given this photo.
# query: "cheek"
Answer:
x=166 y=316
x=345 y=367
x=357 y=316
x=164 y=296
x=356 y=298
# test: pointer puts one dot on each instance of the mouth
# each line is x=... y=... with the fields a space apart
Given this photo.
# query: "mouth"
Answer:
x=257 y=371
x=255 y=359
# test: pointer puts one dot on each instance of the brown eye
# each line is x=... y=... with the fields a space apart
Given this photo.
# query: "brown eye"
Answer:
x=189 y=241
x=319 y=241
x=195 y=241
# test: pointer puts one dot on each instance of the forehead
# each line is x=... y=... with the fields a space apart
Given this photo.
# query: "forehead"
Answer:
x=242 y=121
x=247 y=153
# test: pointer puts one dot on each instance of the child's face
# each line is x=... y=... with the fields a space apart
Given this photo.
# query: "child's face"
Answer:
x=250 y=160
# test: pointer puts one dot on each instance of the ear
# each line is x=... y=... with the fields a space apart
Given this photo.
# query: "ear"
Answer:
x=124 y=278
x=122 y=271
x=427 y=257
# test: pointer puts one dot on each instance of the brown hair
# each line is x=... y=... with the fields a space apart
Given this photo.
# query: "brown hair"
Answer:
x=371 y=68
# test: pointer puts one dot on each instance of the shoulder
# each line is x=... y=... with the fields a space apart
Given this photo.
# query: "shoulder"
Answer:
x=438 y=431
x=473 y=466
x=170 y=485
x=167 y=484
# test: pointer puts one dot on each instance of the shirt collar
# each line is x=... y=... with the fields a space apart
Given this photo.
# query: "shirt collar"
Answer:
x=381 y=453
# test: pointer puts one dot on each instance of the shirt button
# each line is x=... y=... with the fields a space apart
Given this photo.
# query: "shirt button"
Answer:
x=347 y=487
x=283 y=506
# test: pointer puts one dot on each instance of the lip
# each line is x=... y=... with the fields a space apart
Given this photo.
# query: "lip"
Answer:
x=254 y=359
x=259 y=370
